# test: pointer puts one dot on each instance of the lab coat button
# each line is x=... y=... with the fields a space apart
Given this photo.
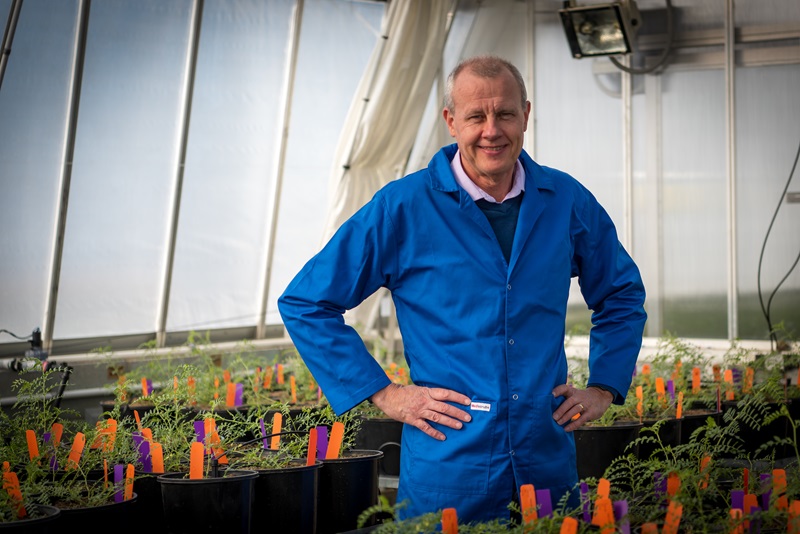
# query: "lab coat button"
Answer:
x=510 y=341
x=515 y=396
x=508 y=287
x=511 y=453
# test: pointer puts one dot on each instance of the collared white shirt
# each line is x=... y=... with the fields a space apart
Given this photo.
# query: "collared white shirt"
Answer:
x=476 y=192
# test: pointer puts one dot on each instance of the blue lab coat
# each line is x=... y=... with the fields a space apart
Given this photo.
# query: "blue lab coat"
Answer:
x=473 y=323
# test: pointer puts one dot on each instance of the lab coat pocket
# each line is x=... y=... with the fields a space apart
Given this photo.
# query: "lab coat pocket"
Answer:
x=459 y=464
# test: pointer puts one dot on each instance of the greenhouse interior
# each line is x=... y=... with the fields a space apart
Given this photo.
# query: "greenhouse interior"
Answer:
x=177 y=177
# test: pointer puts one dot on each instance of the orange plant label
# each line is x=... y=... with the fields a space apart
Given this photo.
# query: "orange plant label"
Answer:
x=230 y=394
x=603 y=515
x=157 y=457
x=11 y=486
x=673 y=519
x=196 y=461
x=527 y=500
x=293 y=388
x=335 y=440
x=695 y=380
x=779 y=489
x=76 y=451
x=449 y=521
x=311 y=457
x=735 y=523
x=33 y=445
x=128 y=493
x=793 y=526
x=569 y=526
x=277 y=421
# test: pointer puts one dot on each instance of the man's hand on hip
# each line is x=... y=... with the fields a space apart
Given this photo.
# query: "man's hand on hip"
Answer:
x=419 y=406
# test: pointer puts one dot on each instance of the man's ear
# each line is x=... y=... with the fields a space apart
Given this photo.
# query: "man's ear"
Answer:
x=448 y=120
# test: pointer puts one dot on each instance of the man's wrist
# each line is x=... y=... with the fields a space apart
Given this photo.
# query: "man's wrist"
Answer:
x=605 y=389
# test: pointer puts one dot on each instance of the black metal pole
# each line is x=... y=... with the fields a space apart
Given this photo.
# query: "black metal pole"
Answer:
x=8 y=36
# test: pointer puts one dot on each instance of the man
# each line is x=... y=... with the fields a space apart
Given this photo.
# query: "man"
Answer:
x=478 y=251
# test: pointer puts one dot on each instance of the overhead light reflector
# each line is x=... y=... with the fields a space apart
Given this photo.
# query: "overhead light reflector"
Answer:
x=600 y=29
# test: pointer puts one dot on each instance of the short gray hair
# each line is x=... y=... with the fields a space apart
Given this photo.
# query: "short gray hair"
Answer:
x=486 y=66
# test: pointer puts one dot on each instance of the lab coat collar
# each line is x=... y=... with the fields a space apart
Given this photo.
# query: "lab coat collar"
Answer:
x=442 y=178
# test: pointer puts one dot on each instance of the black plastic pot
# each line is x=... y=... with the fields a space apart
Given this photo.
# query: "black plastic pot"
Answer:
x=286 y=499
x=222 y=504
x=48 y=521
x=697 y=418
x=669 y=433
x=385 y=435
x=597 y=446
x=348 y=485
x=122 y=515
x=754 y=438
x=149 y=504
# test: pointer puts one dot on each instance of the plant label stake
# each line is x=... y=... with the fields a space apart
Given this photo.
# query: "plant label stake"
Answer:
x=569 y=526
x=277 y=420
x=449 y=521
x=527 y=501
x=312 y=447
x=33 y=446
x=118 y=483
x=196 y=455
x=621 y=511
x=265 y=441
x=673 y=519
x=335 y=443
x=322 y=441
x=157 y=456
x=545 y=502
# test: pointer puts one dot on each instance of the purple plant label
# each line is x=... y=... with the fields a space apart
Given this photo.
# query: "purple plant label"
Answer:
x=544 y=502
x=144 y=456
x=119 y=483
x=766 y=490
x=322 y=441
x=149 y=387
x=621 y=513
x=737 y=499
x=239 y=395
x=587 y=515
x=671 y=390
x=200 y=431
x=265 y=441
x=659 y=484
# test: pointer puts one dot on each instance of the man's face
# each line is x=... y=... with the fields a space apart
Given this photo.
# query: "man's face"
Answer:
x=488 y=123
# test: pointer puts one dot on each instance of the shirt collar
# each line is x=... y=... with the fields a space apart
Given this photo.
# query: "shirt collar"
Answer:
x=476 y=192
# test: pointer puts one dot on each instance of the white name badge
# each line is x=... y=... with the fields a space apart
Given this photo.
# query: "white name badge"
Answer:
x=481 y=406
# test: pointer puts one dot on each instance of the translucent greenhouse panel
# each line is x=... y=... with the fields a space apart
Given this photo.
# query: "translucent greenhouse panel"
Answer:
x=33 y=108
x=694 y=203
x=124 y=167
x=578 y=121
x=337 y=39
x=236 y=112
x=768 y=241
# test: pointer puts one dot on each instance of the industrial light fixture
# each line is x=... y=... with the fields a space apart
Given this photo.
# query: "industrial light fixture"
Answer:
x=600 y=29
